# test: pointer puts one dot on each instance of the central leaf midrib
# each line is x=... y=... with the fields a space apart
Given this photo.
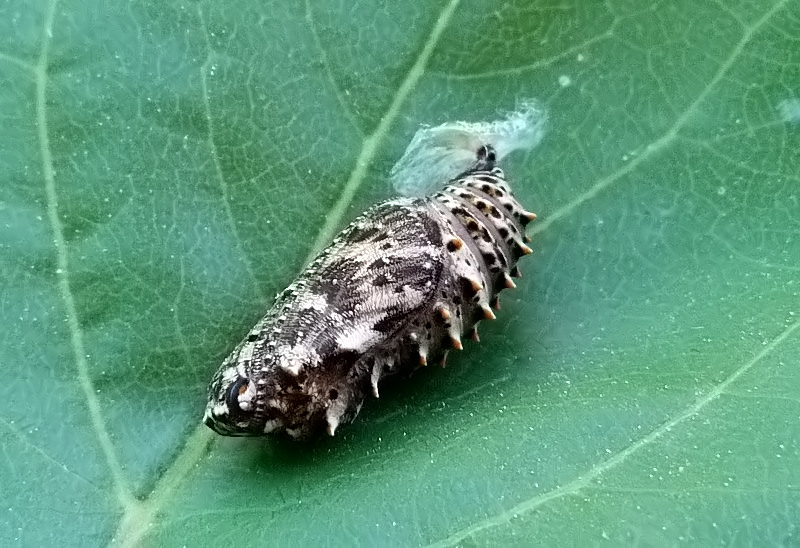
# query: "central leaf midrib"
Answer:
x=372 y=142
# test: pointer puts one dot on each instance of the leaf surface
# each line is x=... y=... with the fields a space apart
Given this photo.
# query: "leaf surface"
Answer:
x=169 y=166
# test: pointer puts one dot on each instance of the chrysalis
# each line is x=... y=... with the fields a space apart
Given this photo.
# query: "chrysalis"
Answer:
x=396 y=290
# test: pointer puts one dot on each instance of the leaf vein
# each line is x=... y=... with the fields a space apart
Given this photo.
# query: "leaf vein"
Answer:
x=76 y=337
x=535 y=65
x=670 y=135
x=44 y=454
x=14 y=60
x=215 y=157
x=582 y=482
x=348 y=112
x=372 y=142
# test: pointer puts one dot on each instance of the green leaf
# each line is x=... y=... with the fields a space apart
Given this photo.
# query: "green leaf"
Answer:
x=167 y=167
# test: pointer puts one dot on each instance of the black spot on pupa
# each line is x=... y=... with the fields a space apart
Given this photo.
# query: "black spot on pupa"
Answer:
x=466 y=288
x=361 y=234
x=390 y=322
x=502 y=259
x=376 y=264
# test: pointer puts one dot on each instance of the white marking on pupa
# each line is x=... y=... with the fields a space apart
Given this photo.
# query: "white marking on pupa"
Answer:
x=375 y=376
x=232 y=373
x=221 y=409
x=277 y=404
x=272 y=425
x=313 y=302
x=246 y=354
x=293 y=358
x=358 y=338
x=245 y=400
x=333 y=423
